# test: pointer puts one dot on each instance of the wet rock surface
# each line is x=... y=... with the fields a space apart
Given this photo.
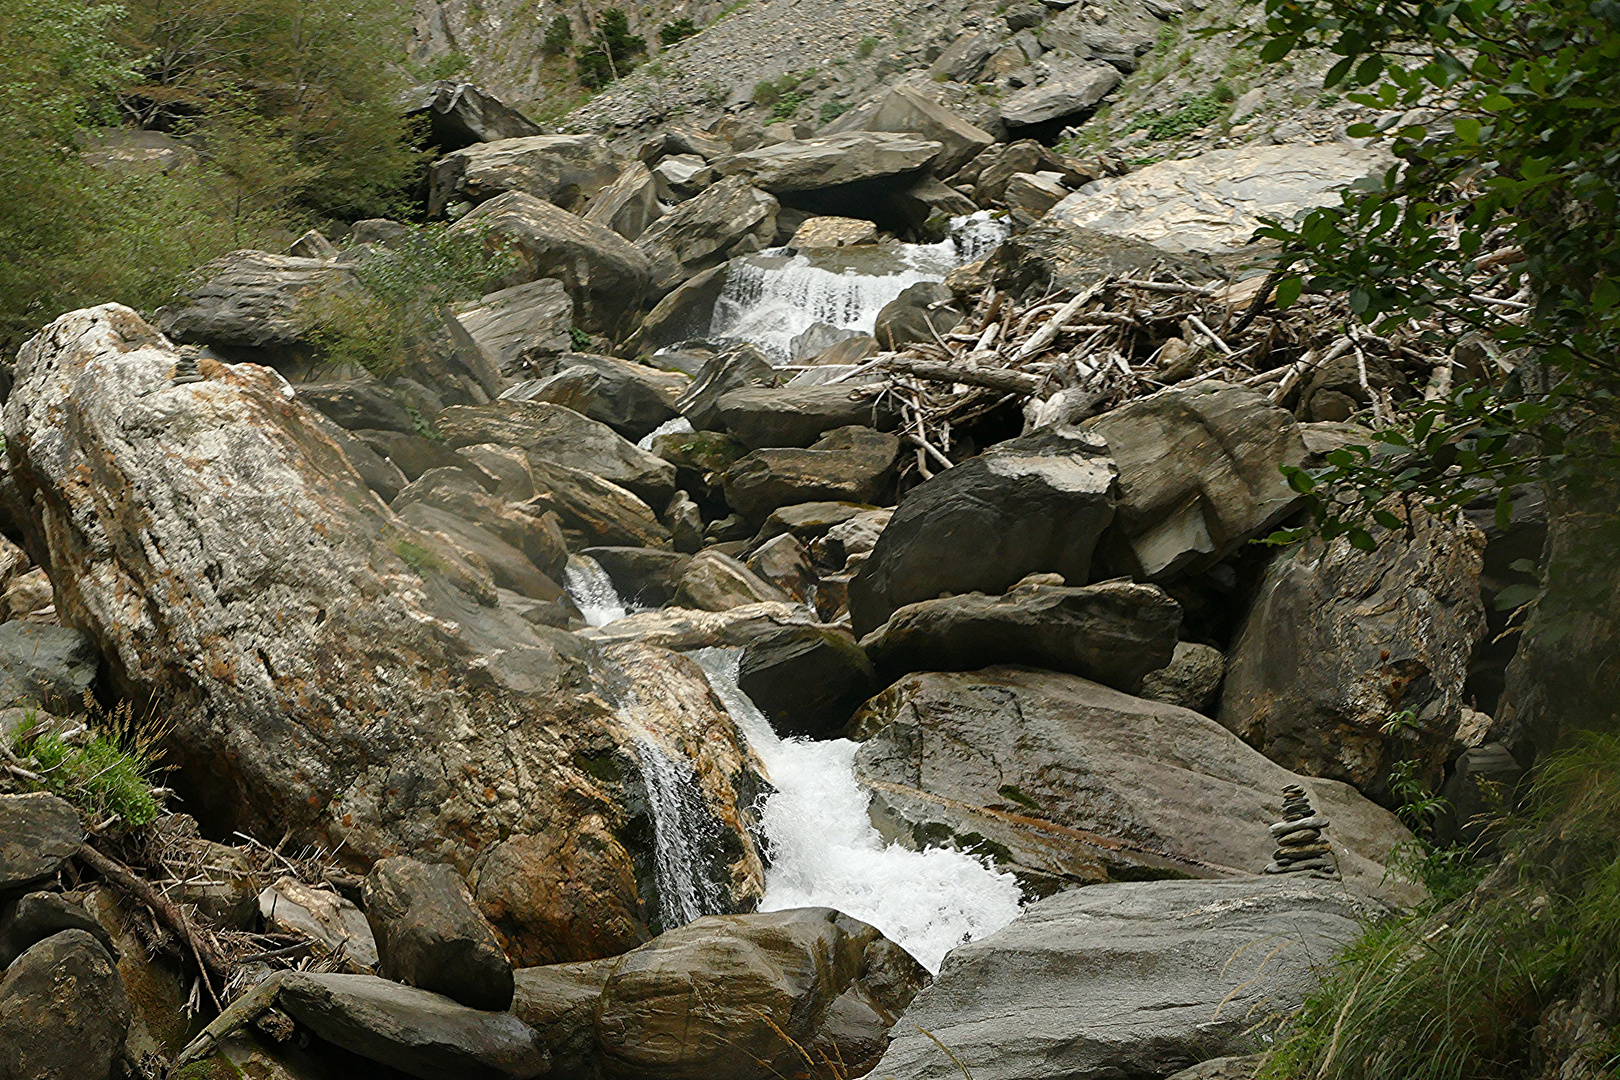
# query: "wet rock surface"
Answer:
x=63 y=1011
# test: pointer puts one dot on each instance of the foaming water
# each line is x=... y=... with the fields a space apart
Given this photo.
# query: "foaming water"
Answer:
x=678 y=426
x=680 y=827
x=824 y=851
x=593 y=591
x=772 y=297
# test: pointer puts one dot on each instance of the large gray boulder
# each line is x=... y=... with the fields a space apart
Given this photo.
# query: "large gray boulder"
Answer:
x=738 y=368
x=903 y=109
x=528 y=321
x=1063 y=781
x=458 y=492
x=1113 y=633
x=1213 y=202
x=1338 y=641
x=1191 y=680
x=558 y=1002
x=430 y=936
x=716 y=582
x=420 y=1033
x=359 y=404
x=43 y=664
x=605 y=274
x=685 y=313
x=1035 y=504
x=1058 y=256
x=831 y=159
x=628 y=205
x=730 y=218
x=1199 y=476
x=1137 y=979
x=64 y=1012
x=561 y=436
x=807 y=680
x=594 y=512
x=797 y=415
x=253 y=299
x=847 y=464
x=925 y=311
x=36 y=916
x=460 y=114
x=41 y=833
x=646 y=577
x=722 y=997
x=564 y=170
x=1073 y=89
x=630 y=398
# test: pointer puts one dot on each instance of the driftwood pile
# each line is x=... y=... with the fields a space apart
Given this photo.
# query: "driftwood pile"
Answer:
x=1063 y=360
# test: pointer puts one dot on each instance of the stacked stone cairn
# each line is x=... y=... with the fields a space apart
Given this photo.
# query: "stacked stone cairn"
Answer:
x=185 y=366
x=1300 y=846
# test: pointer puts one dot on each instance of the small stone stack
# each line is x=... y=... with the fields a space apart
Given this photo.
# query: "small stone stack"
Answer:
x=185 y=366
x=1300 y=845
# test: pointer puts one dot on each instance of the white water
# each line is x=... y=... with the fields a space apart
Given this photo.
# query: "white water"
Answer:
x=771 y=298
x=824 y=851
x=678 y=426
x=681 y=825
x=593 y=591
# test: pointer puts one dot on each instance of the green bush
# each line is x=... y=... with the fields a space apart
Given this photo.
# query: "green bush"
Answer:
x=867 y=46
x=673 y=33
x=107 y=772
x=832 y=110
x=612 y=51
x=559 y=37
x=1190 y=115
x=406 y=290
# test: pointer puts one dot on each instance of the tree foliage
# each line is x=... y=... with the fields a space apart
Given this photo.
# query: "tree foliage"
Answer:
x=1502 y=116
x=612 y=50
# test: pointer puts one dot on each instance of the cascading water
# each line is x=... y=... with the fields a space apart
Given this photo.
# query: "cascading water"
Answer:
x=825 y=852
x=593 y=591
x=681 y=826
x=678 y=426
x=772 y=297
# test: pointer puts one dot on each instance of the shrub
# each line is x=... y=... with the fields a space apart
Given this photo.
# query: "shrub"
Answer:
x=612 y=51
x=106 y=772
x=832 y=110
x=673 y=33
x=866 y=47
x=559 y=37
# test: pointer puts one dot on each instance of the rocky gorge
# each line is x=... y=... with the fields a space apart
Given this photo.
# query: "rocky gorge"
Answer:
x=819 y=613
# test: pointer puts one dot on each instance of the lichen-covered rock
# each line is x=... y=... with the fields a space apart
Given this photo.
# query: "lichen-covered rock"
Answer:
x=63 y=1011
x=38 y=833
x=429 y=934
x=332 y=673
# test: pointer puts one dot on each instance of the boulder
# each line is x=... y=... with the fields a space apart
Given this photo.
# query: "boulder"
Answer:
x=564 y=170
x=784 y=562
x=1113 y=633
x=730 y=218
x=1192 y=679
x=685 y=522
x=605 y=274
x=1345 y=385
x=811 y=521
x=1338 y=641
x=722 y=997
x=460 y=114
x=359 y=404
x=1241 y=1067
x=412 y=455
x=1072 y=90
x=332 y=674
x=420 y=1033
x=807 y=680
x=254 y=300
x=857 y=535
x=716 y=582
x=430 y=936
x=632 y=399
x=1199 y=476
x=1120 y=40
x=903 y=109
x=853 y=464
x=47 y=665
x=1062 y=781
x=41 y=833
x=797 y=415
x=457 y=492
x=594 y=512
x=509 y=326
x=739 y=368
x=1134 y=979
x=1035 y=504
x=508 y=466
x=560 y=436
x=828 y=231
x=628 y=205
x=822 y=162
x=926 y=311
x=558 y=1002
x=1213 y=202
x=39 y=915
x=685 y=313
x=989 y=173
x=965 y=57
x=1033 y=193
x=689 y=628
x=646 y=577
x=508 y=567
x=1056 y=256
x=30 y=595
x=700 y=453
x=290 y=907
x=64 y=1012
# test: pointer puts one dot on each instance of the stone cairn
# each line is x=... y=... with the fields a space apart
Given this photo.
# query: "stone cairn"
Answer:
x=1300 y=846
x=185 y=366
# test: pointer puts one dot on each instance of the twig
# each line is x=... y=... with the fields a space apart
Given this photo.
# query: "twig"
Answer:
x=1169 y=287
x=1048 y=333
x=1207 y=332
x=1016 y=382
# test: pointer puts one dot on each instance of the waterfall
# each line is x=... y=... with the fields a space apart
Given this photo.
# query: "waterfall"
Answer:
x=592 y=591
x=682 y=830
x=772 y=297
x=824 y=851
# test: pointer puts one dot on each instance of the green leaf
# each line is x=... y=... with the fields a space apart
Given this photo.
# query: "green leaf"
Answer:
x=1288 y=290
x=1467 y=129
x=1361 y=539
x=1388 y=520
x=1515 y=596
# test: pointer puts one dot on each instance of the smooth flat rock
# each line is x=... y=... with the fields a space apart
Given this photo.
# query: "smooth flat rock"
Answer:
x=1136 y=979
x=1073 y=88
x=38 y=833
x=847 y=464
x=831 y=159
x=796 y=415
